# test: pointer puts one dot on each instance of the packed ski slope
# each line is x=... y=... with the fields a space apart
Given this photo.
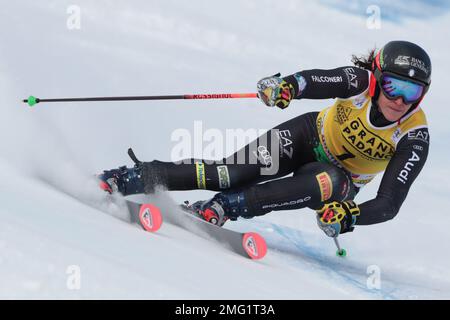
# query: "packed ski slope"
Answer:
x=52 y=215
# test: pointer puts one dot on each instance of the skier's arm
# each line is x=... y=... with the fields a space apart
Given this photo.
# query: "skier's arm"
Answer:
x=404 y=167
x=343 y=82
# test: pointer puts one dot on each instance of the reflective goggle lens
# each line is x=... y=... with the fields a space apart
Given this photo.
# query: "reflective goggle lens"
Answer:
x=394 y=87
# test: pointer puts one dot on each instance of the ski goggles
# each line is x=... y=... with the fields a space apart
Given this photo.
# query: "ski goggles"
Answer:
x=394 y=87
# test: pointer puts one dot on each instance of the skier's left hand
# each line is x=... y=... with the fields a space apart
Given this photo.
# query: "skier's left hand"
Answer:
x=336 y=217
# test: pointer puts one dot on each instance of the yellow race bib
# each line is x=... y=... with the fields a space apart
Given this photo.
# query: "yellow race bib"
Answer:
x=352 y=142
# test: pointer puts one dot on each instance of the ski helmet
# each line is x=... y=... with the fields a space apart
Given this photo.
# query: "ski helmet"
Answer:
x=404 y=60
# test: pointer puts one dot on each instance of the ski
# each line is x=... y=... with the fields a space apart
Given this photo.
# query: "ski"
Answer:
x=147 y=215
x=150 y=218
x=248 y=244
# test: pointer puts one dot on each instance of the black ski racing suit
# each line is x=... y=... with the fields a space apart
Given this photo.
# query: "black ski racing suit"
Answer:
x=295 y=184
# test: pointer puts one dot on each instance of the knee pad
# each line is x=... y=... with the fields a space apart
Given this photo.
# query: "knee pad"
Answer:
x=334 y=184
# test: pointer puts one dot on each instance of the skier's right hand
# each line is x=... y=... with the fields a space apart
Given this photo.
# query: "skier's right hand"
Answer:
x=274 y=91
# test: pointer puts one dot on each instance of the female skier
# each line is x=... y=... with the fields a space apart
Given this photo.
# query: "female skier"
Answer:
x=374 y=125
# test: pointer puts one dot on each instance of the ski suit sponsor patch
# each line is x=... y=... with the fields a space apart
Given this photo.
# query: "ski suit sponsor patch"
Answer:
x=397 y=135
x=352 y=78
x=224 y=177
x=200 y=171
x=403 y=175
x=286 y=203
x=325 y=185
x=263 y=155
x=326 y=79
x=421 y=135
x=363 y=140
x=342 y=114
x=286 y=148
x=301 y=82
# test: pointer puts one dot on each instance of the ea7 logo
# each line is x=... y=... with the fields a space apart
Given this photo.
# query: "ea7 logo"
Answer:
x=285 y=143
x=351 y=77
x=403 y=175
x=421 y=135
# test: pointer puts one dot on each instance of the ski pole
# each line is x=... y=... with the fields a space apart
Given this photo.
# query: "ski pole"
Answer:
x=340 y=252
x=31 y=101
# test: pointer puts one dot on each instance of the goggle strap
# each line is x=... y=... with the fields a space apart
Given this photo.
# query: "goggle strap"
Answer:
x=377 y=60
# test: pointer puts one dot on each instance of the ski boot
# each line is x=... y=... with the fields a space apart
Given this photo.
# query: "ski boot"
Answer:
x=221 y=208
x=142 y=178
x=124 y=180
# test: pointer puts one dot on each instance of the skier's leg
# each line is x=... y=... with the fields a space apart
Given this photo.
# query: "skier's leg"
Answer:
x=313 y=185
x=277 y=153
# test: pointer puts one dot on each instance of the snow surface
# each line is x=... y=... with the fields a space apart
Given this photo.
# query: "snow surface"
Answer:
x=48 y=216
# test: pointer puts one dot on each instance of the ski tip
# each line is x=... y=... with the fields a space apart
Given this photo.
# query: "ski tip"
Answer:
x=254 y=245
x=150 y=217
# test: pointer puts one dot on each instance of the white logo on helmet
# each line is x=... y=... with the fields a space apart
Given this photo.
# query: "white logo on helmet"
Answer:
x=411 y=72
x=402 y=60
